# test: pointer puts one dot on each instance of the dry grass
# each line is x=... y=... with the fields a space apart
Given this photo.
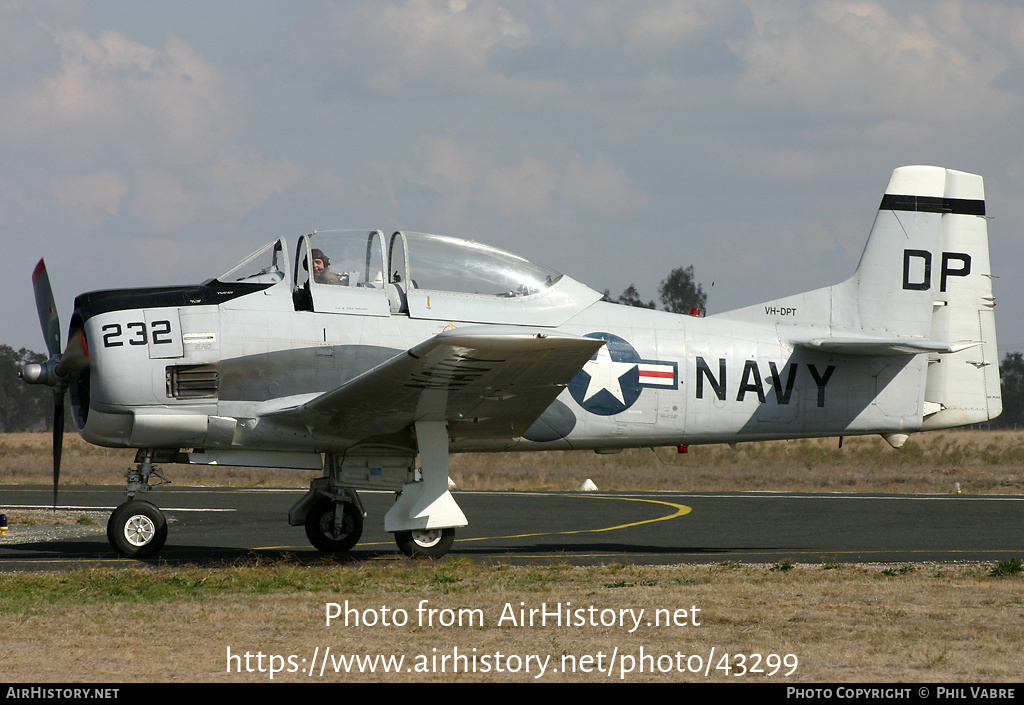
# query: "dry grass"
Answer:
x=982 y=462
x=938 y=624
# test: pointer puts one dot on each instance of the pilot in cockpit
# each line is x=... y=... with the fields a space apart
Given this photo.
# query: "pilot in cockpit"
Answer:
x=322 y=273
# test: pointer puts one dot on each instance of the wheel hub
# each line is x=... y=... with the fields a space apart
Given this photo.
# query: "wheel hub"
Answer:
x=335 y=527
x=139 y=530
x=426 y=537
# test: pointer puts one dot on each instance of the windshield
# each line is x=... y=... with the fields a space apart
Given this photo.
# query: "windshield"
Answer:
x=264 y=266
x=449 y=264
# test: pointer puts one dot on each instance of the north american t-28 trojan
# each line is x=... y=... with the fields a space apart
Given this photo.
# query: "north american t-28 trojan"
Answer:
x=368 y=352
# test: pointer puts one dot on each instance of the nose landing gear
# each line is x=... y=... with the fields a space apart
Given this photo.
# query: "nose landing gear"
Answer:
x=136 y=528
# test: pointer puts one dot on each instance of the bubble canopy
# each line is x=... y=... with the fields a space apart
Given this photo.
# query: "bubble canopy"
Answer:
x=420 y=275
x=444 y=263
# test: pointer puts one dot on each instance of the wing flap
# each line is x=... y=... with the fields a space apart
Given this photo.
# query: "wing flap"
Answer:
x=481 y=380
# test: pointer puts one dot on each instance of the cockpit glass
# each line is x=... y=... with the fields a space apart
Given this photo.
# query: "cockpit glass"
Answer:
x=264 y=266
x=347 y=257
x=449 y=264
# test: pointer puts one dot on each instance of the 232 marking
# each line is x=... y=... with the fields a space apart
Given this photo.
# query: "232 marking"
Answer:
x=159 y=332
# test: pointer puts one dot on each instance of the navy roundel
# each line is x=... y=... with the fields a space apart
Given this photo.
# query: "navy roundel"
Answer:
x=612 y=380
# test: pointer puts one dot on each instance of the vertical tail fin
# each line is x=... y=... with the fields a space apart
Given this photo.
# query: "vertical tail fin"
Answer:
x=925 y=273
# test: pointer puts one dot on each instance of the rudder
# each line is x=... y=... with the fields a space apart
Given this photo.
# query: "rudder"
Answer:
x=962 y=386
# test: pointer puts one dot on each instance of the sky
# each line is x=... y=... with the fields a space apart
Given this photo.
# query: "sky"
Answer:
x=155 y=143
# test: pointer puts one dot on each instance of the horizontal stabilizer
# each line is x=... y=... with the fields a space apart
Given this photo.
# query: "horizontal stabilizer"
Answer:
x=884 y=346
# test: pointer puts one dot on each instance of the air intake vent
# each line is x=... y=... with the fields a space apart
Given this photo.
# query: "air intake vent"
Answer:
x=193 y=381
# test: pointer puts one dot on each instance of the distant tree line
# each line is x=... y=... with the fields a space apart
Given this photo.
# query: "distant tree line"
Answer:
x=679 y=292
x=23 y=407
x=1011 y=376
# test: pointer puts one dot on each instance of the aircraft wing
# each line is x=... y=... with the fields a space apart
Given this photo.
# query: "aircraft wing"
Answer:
x=482 y=380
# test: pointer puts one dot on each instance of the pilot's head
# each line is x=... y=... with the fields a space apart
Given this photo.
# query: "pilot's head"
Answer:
x=320 y=261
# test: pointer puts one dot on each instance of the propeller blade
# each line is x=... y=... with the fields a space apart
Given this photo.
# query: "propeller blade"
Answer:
x=58 y=439
x=76 y=355
x=47 y=308
x=56 y=370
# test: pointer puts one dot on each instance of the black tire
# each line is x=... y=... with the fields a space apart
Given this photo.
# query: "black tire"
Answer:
x=322 y=533
x=425 y=543
x=137 y=529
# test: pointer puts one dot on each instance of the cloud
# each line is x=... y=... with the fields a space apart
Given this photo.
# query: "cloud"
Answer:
x=601 y=186
x=446 y=161
x=462 y=176
x=108 y=91
x=930 y=63
x=114 y=121
x=161 y=200
x=102 y=189
x=668 y=23
x=412 y=47
x=520 y=189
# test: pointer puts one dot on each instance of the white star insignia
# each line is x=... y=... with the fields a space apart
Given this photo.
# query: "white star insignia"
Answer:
x=604 y=374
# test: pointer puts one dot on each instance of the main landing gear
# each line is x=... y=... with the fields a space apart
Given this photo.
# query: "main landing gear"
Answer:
x=333 y=520
x=424 y=516
x=334 y=527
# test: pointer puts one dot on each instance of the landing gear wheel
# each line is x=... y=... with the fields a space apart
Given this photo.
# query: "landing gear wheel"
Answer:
x=325 y=534
x=137 y=529
x=425 y=543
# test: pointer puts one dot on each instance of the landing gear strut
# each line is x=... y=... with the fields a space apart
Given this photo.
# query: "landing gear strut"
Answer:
x=424 y=516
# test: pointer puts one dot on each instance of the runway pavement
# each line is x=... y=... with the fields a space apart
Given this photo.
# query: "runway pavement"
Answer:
x=209 y=525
